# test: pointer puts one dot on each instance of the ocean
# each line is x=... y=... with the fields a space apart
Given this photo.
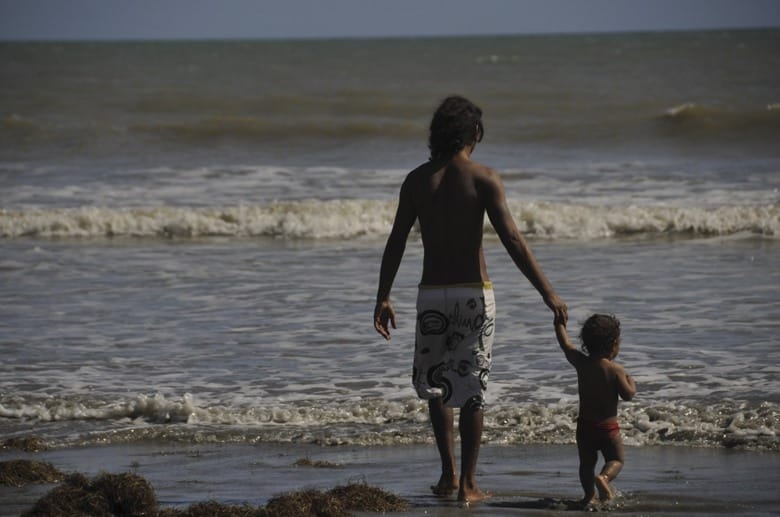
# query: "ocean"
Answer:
x=191 y=231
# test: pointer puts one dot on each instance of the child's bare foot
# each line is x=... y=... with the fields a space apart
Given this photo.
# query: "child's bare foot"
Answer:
x=446 y=486
x=602 y=485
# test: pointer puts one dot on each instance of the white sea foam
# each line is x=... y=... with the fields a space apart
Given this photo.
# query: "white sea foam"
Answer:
x=348 y=219
x=376 y=421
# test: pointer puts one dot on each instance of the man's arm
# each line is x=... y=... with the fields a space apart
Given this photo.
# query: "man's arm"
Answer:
x=516 y=245
x=391 y=260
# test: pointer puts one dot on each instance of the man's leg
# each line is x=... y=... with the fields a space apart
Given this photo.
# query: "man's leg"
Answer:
x=470 y=422
x=442 y=420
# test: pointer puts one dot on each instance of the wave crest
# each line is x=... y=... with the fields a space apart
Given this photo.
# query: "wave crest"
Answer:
x=694 y=119
x=564 y=221
x=350 y=219
x=384 y=422
x=293 y=220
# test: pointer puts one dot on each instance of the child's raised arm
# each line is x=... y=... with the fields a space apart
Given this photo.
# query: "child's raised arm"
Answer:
x=572 y=354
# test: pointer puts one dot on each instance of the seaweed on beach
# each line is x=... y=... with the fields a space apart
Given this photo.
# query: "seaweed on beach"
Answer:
x=129 y=494
x=108 y=494
x=26 y=444
x=306 y=503
x=365 y=498
x=73 y=497
x=337 y=502
x=317 y=464
x=18 y=473
x=214 y=509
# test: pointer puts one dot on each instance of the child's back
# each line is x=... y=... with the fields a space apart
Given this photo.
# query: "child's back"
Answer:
x=600 y=381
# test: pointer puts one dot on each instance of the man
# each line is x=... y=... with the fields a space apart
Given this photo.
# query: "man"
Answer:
x=450 y=195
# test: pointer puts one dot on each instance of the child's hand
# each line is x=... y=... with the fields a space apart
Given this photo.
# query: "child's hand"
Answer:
x=560 y=330
x=557 y=305
x=571 y=352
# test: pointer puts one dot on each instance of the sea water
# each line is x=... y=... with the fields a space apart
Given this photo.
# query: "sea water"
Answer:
x=190 y=233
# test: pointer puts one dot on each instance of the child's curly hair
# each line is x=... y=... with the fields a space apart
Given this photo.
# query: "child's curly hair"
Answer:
x=456 y=123
x=599 y=335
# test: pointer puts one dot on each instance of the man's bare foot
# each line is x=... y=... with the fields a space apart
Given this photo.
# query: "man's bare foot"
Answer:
x=446 y=486
x=472 y=496
x=602 y=485
x=585 y=501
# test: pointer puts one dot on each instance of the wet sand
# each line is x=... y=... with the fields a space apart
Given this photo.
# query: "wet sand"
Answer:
x=524 y=480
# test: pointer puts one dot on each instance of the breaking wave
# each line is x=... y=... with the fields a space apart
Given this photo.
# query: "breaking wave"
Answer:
x=350 y=219
x=382 y=422
x=694 y=119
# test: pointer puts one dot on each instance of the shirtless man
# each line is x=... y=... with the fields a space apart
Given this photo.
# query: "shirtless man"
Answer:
x=450 y=195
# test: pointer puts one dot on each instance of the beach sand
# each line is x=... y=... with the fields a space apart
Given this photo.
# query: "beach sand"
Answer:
x=524 y=479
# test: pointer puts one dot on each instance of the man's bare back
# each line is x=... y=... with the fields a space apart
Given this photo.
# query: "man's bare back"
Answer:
x=450 y=198
x=447 y=198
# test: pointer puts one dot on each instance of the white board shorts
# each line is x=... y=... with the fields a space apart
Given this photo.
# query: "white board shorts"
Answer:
x=453 y=346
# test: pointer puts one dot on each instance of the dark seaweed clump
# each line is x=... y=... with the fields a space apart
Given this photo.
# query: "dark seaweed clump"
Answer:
x=128 y=494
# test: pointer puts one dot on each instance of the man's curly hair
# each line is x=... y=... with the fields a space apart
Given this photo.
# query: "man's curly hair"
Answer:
x=599 y=335
x=456 y=123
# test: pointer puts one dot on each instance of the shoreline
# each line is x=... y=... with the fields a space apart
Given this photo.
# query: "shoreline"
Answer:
x=523 y=480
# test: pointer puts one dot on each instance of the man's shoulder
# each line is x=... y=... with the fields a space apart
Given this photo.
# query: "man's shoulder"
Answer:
x=480 y=173
x=422 y=169
x=486 y=179
x=479 y=170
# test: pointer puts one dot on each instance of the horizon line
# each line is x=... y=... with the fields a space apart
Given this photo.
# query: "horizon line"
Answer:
x=595 y=32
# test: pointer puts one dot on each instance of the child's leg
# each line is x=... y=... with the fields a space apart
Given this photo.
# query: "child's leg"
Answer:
x=588 y=458
x=613 y=463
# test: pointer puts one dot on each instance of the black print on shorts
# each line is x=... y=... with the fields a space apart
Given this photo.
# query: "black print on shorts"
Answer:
x=418 y=350
x=475 y=402
x=483 y=379
x=464 y=368
x=453 y=340
x=432 y=322
x=473 y=320
x=436 y=379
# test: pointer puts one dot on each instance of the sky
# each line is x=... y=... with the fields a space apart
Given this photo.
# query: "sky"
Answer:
x=238 y=19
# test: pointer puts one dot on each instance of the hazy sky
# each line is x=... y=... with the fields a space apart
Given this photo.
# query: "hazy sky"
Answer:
x=164 y=19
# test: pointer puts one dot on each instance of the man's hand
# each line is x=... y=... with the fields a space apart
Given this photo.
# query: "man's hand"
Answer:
x=383 y=312
x=555 y=303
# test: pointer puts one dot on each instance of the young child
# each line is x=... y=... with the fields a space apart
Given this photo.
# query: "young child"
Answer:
x=600 y=380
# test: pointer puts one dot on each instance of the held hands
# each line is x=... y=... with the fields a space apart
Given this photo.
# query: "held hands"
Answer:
x=384 y=313
x=556 y=304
